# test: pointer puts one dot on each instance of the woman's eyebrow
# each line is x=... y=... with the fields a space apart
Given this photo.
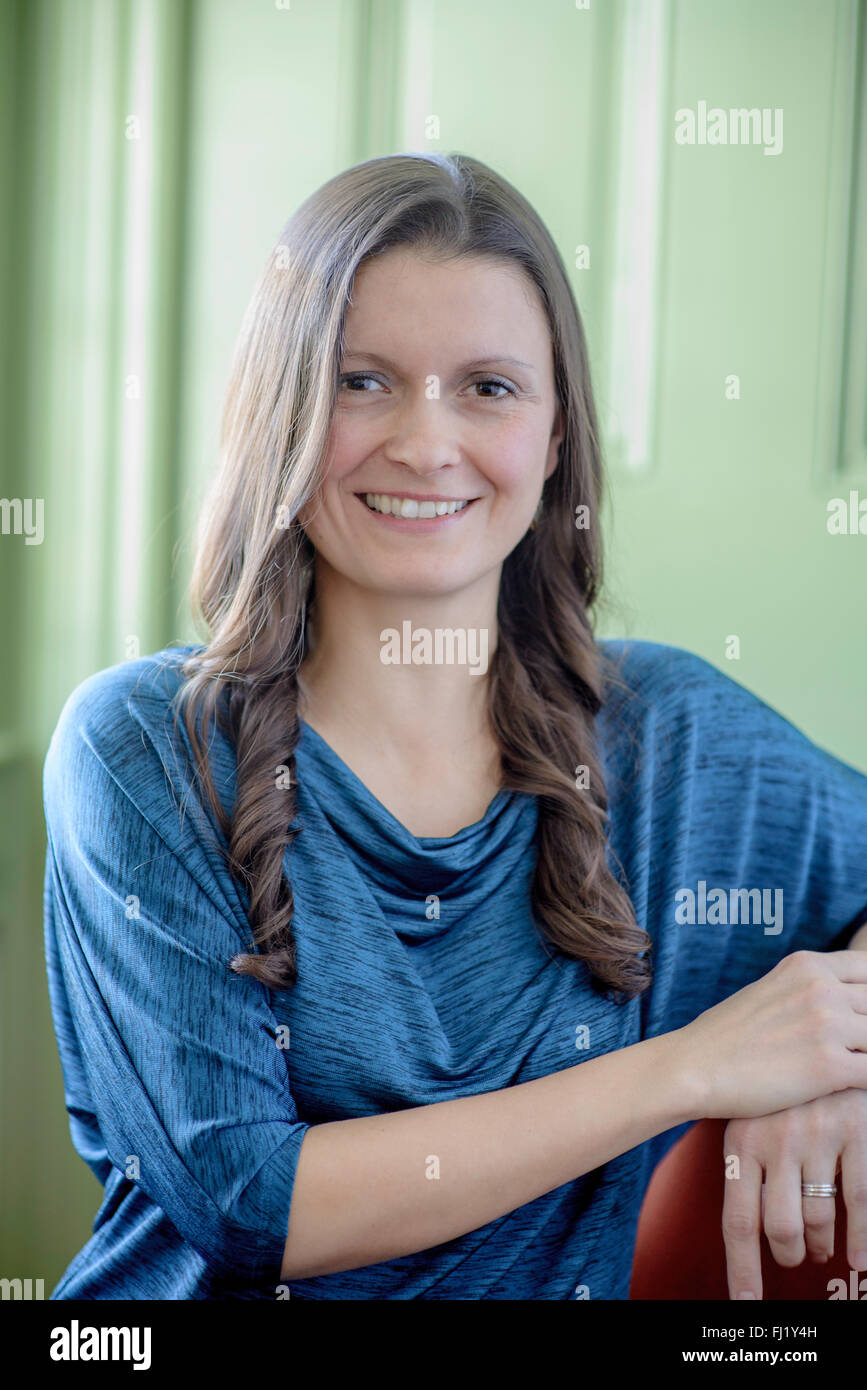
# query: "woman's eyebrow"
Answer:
x=464 y=367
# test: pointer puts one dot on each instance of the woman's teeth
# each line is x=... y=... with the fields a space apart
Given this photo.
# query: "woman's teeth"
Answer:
x=410 y=507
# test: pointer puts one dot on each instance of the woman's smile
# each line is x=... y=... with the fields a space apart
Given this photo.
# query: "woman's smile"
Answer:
x=413 y=512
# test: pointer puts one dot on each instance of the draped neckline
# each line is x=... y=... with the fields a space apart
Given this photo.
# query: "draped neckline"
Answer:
x=365 y=824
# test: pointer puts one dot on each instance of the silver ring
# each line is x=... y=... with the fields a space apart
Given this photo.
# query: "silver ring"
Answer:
x=818 y=1189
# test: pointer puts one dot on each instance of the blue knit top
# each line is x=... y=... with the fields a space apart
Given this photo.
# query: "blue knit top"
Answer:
x=423 y=975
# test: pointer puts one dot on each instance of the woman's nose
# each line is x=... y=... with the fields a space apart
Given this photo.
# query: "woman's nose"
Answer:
x=422 y=432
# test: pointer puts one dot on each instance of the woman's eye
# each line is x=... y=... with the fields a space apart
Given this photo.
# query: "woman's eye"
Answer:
x=495 y=381
x=351 y=381
x=357 y=375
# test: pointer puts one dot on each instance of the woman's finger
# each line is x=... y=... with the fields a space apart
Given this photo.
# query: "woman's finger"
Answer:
x=741 y=1225
x=820 y=1212
x=854 y=1183
x=782 y=1212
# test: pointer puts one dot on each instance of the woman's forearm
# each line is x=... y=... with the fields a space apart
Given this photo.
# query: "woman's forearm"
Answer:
x=382 y=1186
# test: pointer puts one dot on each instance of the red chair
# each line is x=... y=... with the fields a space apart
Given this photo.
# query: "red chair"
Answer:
x=680 y=1253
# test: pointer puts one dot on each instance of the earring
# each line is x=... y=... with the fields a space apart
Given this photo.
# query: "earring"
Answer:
x=537 y=516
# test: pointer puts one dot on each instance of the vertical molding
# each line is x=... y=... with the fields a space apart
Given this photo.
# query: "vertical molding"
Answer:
x=387 y=66
x=100 y=301
x=643 y=42
x=350 y=87
x=13 y=166
x=51 y=209
x=151 y=180
x=843 y=309
x=416 y=75
x=100 y=401
x=377 y=35
x=853 y=426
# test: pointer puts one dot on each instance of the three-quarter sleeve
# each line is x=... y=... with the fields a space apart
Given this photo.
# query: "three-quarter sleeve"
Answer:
x=179 y=1070
x=742 y=839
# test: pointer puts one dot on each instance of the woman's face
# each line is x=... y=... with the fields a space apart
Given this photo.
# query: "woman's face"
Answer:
x=446 y=391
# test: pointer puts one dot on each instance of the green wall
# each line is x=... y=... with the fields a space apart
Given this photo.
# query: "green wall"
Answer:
x=133 y=248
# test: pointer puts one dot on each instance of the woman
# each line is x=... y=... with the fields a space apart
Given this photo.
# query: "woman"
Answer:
x=374 y=974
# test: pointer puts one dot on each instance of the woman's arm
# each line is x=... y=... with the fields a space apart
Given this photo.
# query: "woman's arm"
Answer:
x=363 y=1188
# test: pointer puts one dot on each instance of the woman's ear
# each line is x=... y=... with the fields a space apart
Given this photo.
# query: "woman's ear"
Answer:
x=558 y=434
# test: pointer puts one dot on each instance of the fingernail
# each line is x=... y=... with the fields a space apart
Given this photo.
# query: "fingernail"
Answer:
x=746 y=1295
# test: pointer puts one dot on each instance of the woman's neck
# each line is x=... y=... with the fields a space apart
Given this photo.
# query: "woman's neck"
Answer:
x=413 y=669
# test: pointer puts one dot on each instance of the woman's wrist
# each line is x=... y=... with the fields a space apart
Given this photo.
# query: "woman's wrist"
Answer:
x=688 y=1083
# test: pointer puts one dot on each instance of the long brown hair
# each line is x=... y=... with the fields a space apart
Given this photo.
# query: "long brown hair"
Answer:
x=252 y=586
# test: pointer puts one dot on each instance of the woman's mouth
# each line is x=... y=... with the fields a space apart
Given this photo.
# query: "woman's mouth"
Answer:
x=399 y=509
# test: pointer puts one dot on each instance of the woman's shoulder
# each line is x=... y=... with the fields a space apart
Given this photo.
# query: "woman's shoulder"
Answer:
x=120 y=763
x=682 y=709
x=657 y=671
x=654 y=680
x=110 y=697
x=121 y=718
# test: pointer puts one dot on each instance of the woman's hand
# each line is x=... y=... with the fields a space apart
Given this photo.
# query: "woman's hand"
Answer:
x=798 y=1033
x=808 y=1143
